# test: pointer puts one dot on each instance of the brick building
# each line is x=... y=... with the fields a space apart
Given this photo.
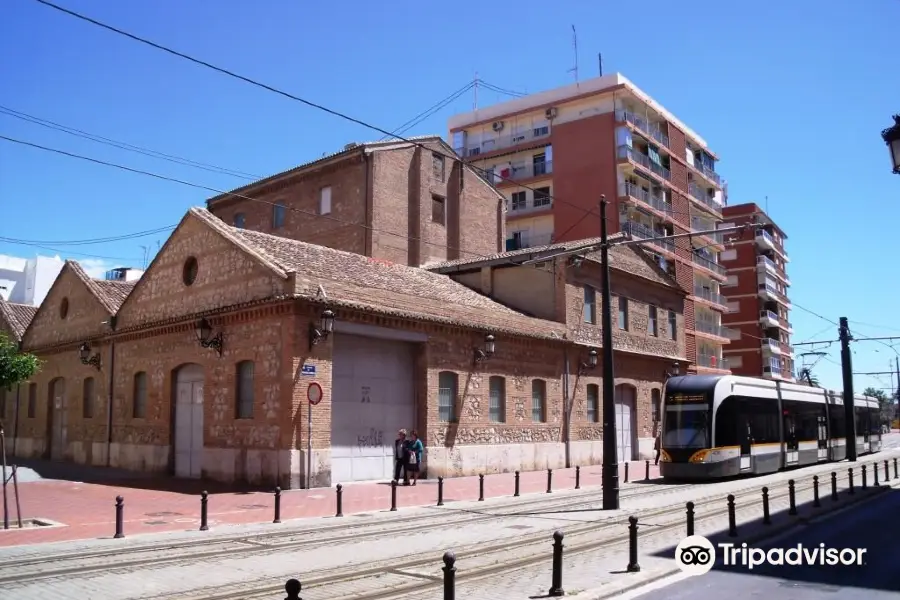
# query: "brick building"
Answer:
x=14 y=320
x=203 y=366
x=405 y=203
x=757 y=296
x=555 y=152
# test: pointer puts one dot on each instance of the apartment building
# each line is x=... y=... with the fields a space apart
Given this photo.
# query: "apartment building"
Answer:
x=757 y=296
x=553 y=154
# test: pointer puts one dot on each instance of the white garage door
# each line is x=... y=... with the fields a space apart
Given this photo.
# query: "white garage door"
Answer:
x=372 y=397
x=625 y=401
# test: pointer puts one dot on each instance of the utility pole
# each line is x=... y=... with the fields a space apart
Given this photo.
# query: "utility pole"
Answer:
x=896 y=411
x=610 y=471
x=847 y=369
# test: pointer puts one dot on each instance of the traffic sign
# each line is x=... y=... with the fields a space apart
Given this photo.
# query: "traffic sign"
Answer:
x=314 y=393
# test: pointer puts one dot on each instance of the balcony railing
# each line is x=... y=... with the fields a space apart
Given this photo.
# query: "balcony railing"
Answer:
x=643 y=232
x=773 y=291
x=711 y=296
x=712 y=329
x=698 y=224
x=768 y=314
x=762 y=234
x=657 y=202
x=644 y=161
x=708 y=264
x=504 y=141
x=526 y=171
x=711 y=362
x=708 y=173
x=644 y=125
x=523 y=208
x=699 y=194
x=771 y=345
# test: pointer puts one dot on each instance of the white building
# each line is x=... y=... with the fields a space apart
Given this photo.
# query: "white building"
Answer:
x=27 y=280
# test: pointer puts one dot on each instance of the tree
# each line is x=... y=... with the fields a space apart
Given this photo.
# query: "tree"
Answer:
x=884 y=403
x=806 y=376
x=15 y=366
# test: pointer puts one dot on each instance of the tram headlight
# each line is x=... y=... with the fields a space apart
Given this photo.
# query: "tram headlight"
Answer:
x=700 y=456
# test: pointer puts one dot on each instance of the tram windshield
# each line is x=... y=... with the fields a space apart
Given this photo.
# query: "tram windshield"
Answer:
x=686 y=423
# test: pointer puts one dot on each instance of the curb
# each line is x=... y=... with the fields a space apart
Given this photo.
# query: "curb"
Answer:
x=760 y=536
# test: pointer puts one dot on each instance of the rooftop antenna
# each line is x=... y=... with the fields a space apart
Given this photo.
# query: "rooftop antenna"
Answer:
x=575 y=48
x=767 y=205
x=475 y=100
x=600 y=62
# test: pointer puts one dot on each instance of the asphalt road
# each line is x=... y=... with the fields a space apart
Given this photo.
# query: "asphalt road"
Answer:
x=874 y=526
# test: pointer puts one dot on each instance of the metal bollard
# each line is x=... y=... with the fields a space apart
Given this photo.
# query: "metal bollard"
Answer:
x=549 y=481
x=633 y=566
x=204 y=500
x=875 y=475
x=393 y=495
x=556 y=588
x=887 y=473
x=516 y=490
x=440 y=501
x=792 y=497
x=690 y=519
x=834 y=493
x=626 y=473
x=277 y=505
x=647 y=470
x=578 y=476
x=481 y=488
x=865 y=484
x=816 y=502
x=120 y=517
x=339 y=494
x=895 y=469
x=767 y=518
x=449 y=576
x=293 y=587
x=852 y=490
x=732 y=518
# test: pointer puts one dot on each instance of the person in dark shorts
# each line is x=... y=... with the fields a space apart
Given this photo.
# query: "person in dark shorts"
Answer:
x=414 y=455
x=400 y=455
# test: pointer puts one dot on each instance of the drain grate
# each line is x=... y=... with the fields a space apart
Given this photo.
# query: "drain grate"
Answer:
x=163 y=514
x=252 y=506
x=155 y=522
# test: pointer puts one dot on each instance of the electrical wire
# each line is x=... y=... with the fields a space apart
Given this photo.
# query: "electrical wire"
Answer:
x=92 y=241
x=400 y=130
x=500 y=90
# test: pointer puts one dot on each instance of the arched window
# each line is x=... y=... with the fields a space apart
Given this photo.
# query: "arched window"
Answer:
x=244 y=388
x=497 y=387
x=539 y=401
x=139 y=396
x=593 y=403
x=87 y=398
x=448 y=385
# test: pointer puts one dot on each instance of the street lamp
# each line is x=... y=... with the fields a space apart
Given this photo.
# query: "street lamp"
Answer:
x=610 y=470
x=891 y=137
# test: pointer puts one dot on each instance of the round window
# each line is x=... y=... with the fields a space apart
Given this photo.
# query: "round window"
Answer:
x=64 y=308
x=189 y=272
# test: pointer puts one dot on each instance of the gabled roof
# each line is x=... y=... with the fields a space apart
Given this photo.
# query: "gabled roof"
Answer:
x=344 y=279
x=626 y=259
x=350 y=150
x=17 y=316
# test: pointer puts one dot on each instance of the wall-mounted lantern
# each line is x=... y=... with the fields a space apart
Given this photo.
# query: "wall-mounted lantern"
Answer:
x=325 y=328
x=891 y=137
x=675 y=371
x=590 y=363
x=206 y=338
x=483 y=354
x=84 y=353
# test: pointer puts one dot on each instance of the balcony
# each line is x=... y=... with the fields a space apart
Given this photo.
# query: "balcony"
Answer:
x=709 y=295
x=770 y=292
x=708 y=173
x=771 y=372
x=517 y=209
x=528 y=241
x=642 y=232
x=527 y=171
x=713 y=329
x=698 y=224
x=764 y=264
x=708 y=264
x=769 y=318
x=504 y=141
x=771 y=346
x=627 y=152
x=652 y=200
x=711 y=362
x=700 y=195
x=765 y=240
x=642 y=124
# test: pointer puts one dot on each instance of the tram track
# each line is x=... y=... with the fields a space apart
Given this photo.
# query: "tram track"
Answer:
x=491 y=557
x=17 y=570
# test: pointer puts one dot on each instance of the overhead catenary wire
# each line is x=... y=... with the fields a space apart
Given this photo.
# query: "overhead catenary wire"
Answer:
x=400 y=130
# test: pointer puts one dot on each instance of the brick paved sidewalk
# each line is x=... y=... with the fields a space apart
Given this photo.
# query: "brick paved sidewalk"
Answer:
x=87 y=509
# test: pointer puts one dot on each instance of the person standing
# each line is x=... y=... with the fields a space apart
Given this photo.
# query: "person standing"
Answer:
x=414 y=452
x=400 y=457
x=656 y=446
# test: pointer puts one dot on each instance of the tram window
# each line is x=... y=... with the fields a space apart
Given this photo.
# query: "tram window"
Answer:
x=805 y=418
x=728 y=423
x=837 y=421
x=764 y=420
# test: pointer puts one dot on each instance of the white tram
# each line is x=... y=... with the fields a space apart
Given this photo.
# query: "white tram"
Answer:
x=721 y=426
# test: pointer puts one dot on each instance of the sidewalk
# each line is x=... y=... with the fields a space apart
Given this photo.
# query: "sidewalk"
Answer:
x=87 y=510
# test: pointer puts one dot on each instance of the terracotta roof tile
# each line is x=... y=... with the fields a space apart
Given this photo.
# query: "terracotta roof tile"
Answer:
x=360 y=282
x=18 y=316
x=114 y=292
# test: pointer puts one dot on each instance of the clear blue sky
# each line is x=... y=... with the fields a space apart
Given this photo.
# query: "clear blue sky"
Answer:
x=791 y=95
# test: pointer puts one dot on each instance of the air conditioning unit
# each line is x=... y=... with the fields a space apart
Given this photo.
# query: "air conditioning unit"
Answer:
x=497 y=126
x=550 y=113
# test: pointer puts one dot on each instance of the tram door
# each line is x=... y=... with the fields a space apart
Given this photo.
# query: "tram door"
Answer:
x=791 y=444
x=823 y=435
x=746 y=445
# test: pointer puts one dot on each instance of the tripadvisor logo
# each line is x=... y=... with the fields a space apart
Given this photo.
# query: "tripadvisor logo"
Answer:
x=696 y=555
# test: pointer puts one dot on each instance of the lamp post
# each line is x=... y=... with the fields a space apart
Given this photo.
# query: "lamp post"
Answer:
x=610 y=471
x=891 y=137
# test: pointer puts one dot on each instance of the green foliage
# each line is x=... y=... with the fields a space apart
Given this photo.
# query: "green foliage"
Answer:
x=877 y=394
x=15 y=366
x=806 y=376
